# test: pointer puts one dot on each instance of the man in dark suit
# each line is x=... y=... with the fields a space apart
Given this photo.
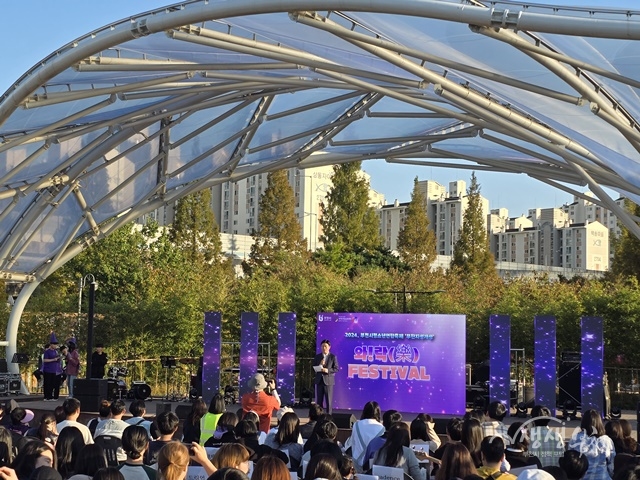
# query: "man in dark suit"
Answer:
x=325 y=378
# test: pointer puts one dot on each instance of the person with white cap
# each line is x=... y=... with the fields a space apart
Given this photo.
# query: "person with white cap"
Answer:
x=259 y=401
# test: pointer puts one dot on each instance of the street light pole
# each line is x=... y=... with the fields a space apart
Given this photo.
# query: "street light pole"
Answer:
x=404 y=293
x=93 y=285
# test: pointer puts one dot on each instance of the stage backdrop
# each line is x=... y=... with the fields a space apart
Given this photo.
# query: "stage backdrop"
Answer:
x=409 y=362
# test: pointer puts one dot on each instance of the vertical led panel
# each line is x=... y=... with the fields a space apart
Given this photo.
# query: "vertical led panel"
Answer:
x=500 y=359
x=211 y=355
x=544 y=362
x=592 y=364
x=248 y=349
x=286 y=379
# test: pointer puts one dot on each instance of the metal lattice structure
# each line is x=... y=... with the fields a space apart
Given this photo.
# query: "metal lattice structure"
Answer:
x=144 y=111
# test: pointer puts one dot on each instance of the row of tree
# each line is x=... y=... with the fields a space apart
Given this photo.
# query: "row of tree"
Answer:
x=155 y=284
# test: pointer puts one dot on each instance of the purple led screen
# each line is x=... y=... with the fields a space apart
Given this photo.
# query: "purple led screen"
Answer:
x=286 y=385
x=248 y=349
x=211 y=355
x=500 y=358
x=544 y=361
x=409 y=362
x=592 y=364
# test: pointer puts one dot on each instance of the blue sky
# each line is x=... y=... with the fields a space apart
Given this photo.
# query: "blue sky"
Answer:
x=34 y=28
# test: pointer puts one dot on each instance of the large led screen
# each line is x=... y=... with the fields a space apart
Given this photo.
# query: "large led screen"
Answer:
x=408 y=362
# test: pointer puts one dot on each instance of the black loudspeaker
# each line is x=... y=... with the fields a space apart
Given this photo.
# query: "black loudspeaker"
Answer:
x=182 y=411
x=93 y=386
x=88 y=403
x=14 y=384
x=112 y=389
x=4 y=384
x=3 y=365
x=569 y=383
x=344 y=420
x=162 y=407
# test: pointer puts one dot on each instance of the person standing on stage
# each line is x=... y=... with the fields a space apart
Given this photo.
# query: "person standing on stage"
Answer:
x=73 y=366
x=98 y=362
x=50 y=366
x=325 y=377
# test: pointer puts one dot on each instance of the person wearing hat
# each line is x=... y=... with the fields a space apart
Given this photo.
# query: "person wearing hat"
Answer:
x=50 y=367
x=258 y=401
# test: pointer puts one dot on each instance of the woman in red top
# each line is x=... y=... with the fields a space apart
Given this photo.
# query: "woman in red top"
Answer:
x=259 y=401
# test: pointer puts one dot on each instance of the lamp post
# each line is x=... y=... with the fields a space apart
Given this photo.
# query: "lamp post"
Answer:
x=404 y=293
x=93 y=285
x=315 y=238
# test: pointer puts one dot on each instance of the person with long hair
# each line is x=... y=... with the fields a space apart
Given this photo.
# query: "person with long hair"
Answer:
x=422 y=434
x=6 y=447
x=456 y=463
x=90 y=460
x=471 y=438
x=109 y=473
x=173 y=461
x=33 y=455
x=396 y=452
x=286 y=439
x=209 y=421
x=224 y=432
x=73 y=367
x=517 y=453
x=614 y=431
x=47 y=430
x=229 y=473
x=233 y=455
x=270 y=468
x=363 y=431
x=70 y=442
x=630 y=444
x=191 y=426
x=324 y=466
x=594 y=444
x=135 y=442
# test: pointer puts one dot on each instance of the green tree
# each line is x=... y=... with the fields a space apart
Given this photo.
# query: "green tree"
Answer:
x=471 y=254
x=195 y=229
x=279 y=229
x=626 y=260
x=416 y=243
x=347 y=217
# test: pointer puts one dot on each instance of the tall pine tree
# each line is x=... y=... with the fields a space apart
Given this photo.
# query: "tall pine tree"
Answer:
x=279 y=229
x=195 y=229
x=347 y=217
x=416 y=243
x=471 y=254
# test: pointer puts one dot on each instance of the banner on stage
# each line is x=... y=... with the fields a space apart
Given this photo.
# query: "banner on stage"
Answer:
x=409 y=362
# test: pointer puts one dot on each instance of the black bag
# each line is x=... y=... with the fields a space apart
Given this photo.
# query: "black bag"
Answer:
x=38 y=374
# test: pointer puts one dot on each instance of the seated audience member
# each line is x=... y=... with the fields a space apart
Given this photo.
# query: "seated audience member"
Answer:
x=492 y=449
x=173 y=460
x=138 y=410
x=630 y=443
x=113 y=426
x=247 y=434
x=423 y=434
x=456 y=462
x=286 y=439
x=363 y=431
x=396 y=452
x=71 y=408
x=68 y=446
x=58 y=412
x=326 y=430
x=191 y=424
x=135 y=442
x=253 y=417
x=224 y=432
x=35 y=454
x=545 y=443
x=90 y=460
x=454 y=434
x=574 y=464
x=476 y=413
x=317 y=433
x=46 y=430
x=494 y=426
x=471 y=437
x=167 y=423
x=388 y=418
x=109 y=473
x=104 y=410
x=592 y=442
x=315 y=411
x=347 y=468
x=613 y=429
x=45 y=473
x=270 y=468
x=323 y=466
x=556 y=472
x=20 y=418
x=233 y=455
x=209 y=421
x=535 y=474
x=6 y=447
x=259 y=401
x=517 y=453
x=229 y=474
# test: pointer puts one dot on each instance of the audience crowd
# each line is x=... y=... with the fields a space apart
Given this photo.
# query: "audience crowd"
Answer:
x=239 y=444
